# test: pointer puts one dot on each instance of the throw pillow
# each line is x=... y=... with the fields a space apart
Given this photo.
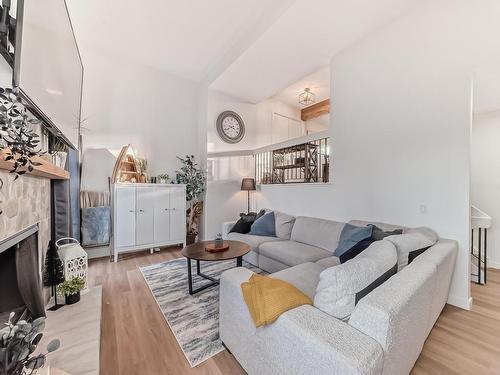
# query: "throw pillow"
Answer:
x=412 y=243
x=341 y=287
x=264 y=226
x=356 y=249
x=284 y=224
x=350 y=236
x=241 y=226
x=379 y=234
x=245 y=222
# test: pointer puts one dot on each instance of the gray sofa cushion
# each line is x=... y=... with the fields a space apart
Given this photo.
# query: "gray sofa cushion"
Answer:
x=317 y=232
x=291 y=252
x=328 y=262
x=284 y=224
x=338 y=287
x=304 y=277
x=252 y=241
x=412 y=243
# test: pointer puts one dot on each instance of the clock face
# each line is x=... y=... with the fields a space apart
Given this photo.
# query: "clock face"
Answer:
x=230 y=127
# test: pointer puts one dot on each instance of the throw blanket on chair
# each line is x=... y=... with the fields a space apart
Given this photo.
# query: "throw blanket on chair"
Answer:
x=268 y=298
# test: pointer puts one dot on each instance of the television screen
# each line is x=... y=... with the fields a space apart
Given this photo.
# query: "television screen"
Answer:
x=49 y=68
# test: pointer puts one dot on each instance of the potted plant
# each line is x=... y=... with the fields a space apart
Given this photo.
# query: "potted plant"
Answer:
x=71 y=289
x=163 y=178
x=195 y=180
x=18 y=343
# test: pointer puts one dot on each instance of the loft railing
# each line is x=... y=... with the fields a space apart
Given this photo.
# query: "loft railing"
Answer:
x=306 y=162
x=480 y=222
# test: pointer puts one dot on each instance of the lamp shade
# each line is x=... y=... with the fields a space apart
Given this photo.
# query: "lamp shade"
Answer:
x=248 y=184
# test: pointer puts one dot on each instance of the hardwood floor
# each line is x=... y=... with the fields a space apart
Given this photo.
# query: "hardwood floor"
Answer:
x=135 y=339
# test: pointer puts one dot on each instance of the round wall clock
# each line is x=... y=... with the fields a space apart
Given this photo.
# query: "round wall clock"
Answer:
x=230 y=127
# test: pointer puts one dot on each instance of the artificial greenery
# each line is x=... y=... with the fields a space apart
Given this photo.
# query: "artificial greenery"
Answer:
x=17 y=344
x=163 y=176
x=16 y=132
x=192 y=176
x=72 y=286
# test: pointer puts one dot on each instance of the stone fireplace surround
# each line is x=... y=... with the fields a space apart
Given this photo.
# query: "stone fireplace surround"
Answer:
x=26 y=202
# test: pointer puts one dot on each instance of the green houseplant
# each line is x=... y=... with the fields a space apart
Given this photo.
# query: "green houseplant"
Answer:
x=18 y=342
x=195 y=180
x=163 y=178
x=71 y=289
x=17 y=134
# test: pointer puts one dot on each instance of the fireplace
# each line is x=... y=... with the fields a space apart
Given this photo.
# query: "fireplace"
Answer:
x=21 y=290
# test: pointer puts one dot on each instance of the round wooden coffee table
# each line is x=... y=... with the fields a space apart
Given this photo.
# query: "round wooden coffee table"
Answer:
x=197 y=252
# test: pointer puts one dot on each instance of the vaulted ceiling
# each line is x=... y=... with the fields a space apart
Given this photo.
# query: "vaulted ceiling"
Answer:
x=186 y=38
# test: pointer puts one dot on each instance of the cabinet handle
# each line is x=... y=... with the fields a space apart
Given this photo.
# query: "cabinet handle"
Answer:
x=141 y=210
x=167 y=209
x=173 y=209
x=131 y=211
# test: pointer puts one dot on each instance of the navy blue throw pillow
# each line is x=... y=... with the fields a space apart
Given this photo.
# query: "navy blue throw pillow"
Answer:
x=350 y=236
x=264 y=226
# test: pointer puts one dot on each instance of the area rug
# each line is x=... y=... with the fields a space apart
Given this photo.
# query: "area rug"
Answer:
x=194 y=320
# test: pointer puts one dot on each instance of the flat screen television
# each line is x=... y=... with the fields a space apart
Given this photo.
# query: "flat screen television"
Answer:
x=48 y=67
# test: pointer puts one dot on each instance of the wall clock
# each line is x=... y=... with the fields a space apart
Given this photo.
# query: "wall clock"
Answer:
x=230 y=127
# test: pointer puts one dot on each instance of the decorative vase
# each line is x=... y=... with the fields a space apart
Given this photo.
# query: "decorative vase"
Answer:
x=72 y=298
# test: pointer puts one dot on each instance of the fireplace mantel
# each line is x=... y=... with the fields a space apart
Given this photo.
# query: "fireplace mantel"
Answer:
x=45 y=170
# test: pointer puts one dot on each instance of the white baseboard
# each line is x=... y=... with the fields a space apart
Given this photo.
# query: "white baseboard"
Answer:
x=493 y=263
x=461 y=302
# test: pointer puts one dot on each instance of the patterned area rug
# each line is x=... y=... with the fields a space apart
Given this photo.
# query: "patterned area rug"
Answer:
x=194 y=320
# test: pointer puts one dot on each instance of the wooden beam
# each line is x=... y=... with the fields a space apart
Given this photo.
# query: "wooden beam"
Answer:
x=46 y=169
x=315 y=110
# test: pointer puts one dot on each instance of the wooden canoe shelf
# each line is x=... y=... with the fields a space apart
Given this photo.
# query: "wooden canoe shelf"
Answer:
x=46 y=169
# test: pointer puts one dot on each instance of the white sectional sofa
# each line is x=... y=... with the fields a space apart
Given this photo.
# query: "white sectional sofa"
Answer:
x=384 y=332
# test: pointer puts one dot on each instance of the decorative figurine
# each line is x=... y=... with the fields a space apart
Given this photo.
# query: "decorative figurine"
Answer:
x=218 y=242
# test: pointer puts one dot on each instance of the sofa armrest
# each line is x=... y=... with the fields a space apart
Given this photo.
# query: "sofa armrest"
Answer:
x=302 y=340
x=233 y=311
x=226 y=227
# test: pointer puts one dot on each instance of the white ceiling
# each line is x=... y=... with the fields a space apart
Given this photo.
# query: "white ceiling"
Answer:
x=318 y=82
x=186 y=38
x=301 y=41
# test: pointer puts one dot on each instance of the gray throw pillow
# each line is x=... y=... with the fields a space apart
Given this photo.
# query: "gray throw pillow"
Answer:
x=264 y=226
x=284 y=225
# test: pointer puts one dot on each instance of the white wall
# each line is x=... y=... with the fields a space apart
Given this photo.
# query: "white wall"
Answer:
x=154 y=111
x=485 y=176
x=401 y=106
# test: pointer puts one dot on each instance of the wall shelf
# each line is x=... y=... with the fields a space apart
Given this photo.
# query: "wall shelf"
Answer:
x=45 y=170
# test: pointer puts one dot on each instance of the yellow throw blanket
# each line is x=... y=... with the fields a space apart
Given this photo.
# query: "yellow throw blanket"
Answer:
x=268 y=298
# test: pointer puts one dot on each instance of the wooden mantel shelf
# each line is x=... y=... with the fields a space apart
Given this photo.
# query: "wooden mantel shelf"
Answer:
x=45 y=170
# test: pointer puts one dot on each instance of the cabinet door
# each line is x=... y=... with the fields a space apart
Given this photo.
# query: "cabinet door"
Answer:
x=125 y=216
x=145 y=198
x=177 y=214
x=162 y=215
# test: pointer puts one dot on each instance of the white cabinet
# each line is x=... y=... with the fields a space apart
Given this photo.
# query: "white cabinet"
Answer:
x=148 y=216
